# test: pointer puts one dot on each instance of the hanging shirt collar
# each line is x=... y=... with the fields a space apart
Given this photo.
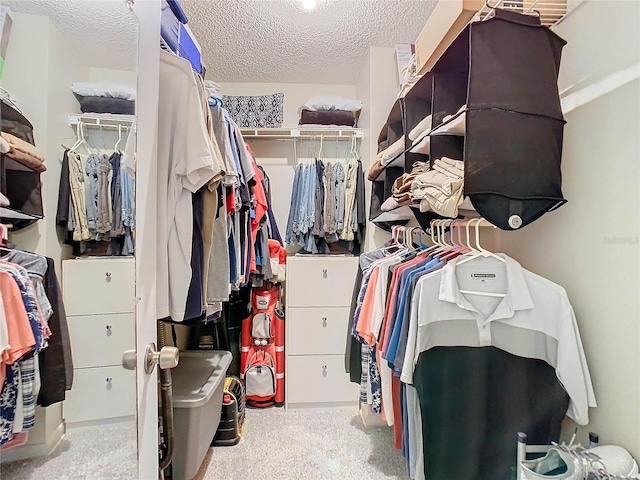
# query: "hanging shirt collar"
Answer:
x=517 y=295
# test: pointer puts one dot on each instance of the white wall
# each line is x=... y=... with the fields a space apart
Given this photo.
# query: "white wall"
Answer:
x=40 y=67
x=295 y=94
x=25 y=77
x=124 y=76
x=378 y=87
x=590 y=245
x=278 y=157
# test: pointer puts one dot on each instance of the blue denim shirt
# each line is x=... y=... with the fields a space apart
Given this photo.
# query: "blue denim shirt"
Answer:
x=91 y=191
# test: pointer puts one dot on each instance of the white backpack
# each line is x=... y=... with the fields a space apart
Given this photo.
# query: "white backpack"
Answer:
x=260 y=376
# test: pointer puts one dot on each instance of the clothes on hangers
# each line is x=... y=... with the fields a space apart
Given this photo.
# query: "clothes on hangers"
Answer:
x=96 y=203
x=327 y=207
x=215 y=216
x=27 y=311
x=460 y=372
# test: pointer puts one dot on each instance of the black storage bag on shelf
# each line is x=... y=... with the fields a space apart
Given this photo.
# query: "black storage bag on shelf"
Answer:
x=18 y=183
x=514 y=128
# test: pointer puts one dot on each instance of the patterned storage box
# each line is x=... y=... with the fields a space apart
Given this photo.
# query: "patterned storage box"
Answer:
x=256 y=111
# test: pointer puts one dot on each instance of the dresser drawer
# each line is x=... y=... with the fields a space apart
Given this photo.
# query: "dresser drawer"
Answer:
x=319 y=379
x=320 y=281
x=100 y=340
x=317 y=330
x=98 y=286
x=99 y=393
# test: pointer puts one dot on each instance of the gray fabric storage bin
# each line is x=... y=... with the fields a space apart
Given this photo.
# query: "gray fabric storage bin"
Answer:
x=198 y=385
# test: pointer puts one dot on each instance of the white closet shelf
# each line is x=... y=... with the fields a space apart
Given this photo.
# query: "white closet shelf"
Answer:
x=303 y=132
x=551 y=12
x=100 y=119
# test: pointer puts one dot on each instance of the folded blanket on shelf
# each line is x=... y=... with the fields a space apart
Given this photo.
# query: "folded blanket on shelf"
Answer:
x=104 y=88
x=329 y=117
x=329 y=102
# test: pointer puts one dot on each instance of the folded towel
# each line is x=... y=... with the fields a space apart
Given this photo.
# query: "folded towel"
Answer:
x=375 y=168
x=393 y=151
x=424 y=146
x=450 y=167
x=403 y=183
x=422 y=127
x=453 y=125
x=22 y=146
x=26 y=159
x=405 y=198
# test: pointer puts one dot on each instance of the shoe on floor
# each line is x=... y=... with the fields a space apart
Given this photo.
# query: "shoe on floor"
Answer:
x=556 y=464
x=616 y=460
x=560 y=464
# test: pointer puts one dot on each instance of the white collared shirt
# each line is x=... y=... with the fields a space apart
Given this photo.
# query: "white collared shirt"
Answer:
x=533 y=320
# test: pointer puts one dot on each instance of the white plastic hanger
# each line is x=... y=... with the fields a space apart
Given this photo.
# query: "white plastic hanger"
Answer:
x=79 y=136
x=119 y=138
x=481 y=252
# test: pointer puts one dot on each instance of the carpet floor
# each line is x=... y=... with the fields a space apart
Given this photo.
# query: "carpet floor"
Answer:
x=314 y=444
x=105 y=452
x=309 y=444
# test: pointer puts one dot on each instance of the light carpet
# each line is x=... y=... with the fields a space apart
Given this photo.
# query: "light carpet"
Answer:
x=106 y=452
x=317 y=444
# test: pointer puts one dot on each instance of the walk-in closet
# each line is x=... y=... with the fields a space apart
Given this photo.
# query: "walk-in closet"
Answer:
x=319 y=239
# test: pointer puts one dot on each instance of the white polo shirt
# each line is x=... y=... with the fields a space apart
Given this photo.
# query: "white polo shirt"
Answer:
x=533 y=320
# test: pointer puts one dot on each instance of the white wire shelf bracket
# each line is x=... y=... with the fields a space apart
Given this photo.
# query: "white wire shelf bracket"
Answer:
x=105 y=120
x=328 y=133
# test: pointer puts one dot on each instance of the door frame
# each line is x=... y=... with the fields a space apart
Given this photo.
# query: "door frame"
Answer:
x=148 y=13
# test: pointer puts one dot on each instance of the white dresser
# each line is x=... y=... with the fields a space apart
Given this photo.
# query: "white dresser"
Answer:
x=99 y=299
x=318 y=299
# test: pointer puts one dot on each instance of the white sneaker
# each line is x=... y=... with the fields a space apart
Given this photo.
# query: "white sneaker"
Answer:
x=613 y=460
x=555 y=459
x=607 y=461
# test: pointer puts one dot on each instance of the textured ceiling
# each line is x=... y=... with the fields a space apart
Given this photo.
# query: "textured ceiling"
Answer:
x=276 y=41
x=103 y=32
x=248 y=41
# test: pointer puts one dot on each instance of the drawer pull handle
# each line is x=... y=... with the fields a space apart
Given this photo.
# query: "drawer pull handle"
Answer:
x=108 y=276
x=109 y=383
x=324 y=370
x=324 y=322
x=324 y=273
x=109 y=330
